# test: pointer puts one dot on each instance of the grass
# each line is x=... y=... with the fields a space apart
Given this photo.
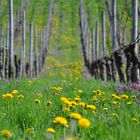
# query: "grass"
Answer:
x=31 y=111
x=26 y=118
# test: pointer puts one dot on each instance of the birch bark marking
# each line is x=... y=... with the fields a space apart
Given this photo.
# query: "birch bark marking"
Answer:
x=96 y=41
x=103 y=35
x=135 y=57
x=31 y=52
x=93 y=44
x=11 y=40
x=48 y=27
x=23 y=50
x=35 y=51
x=40 y=53
x=114 y=31
x=7 y=53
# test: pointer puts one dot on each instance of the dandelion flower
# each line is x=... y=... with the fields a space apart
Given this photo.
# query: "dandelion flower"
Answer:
x=30 y=130
x=60 y=120
x=84 y=123
x=37 y=101
x=105 y=109
x=50 y=130
x=14 y=92
x=20 y=96
x=92 y=107
x=7 y=96
x=124 y=96
x=49 y=103
x=75 y=116
x=7 y=133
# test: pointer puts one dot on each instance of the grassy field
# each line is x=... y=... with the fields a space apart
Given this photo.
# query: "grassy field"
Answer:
x=29 y=107
x=60 y=104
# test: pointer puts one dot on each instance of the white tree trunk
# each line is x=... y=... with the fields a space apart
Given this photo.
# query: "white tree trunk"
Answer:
x=11 y=40
x=97 y=41
x=114 y=32
x=104 y=53
x=23 y=49
x=31 y=52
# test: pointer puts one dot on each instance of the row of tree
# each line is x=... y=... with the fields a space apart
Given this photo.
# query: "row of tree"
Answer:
x=123 y=59
x=26 y=63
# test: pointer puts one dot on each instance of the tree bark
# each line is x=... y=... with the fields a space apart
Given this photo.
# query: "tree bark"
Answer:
x=11 y=40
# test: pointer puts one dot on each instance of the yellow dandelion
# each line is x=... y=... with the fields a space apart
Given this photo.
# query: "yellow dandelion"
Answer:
x=113 y=95
x=20 y=96
x=95 y=98
x=115 y=103
x=75 y=116
x=30 y=130
x=67 y=109
x=84 y=123
x=124 y=96
x=37 y=101
x=7 y=96
x=129 y=103
x=61 y=120
x=82 y=104
x=6 y=133
x=77 y=99
x=50 y=130
x=117 y=97
x=94 y=91
x=105 y=109
x=92 y=107
x=14 y=92
x=49 y=103
x=73 y=103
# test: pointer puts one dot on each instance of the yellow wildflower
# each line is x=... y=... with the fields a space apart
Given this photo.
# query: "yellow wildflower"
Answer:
x=115 y=103
x=92 y=107
x=67 y=109
x=130 y=103
x=7 y=133
x=82 y=104
x=77 y=98
x=84 y=123
x=30 y=129
x=20 y=96
x=37 y=101
x=73 y=103
x=95 y=98
x=14 y=92
x=7 y=96
x=50 y=130
x=113 y=95
x=117 y=97
x=75 y=116
x=49 y=103
x=105 y=109
x=61 y=120
x=94 y=92
x=124 y=96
